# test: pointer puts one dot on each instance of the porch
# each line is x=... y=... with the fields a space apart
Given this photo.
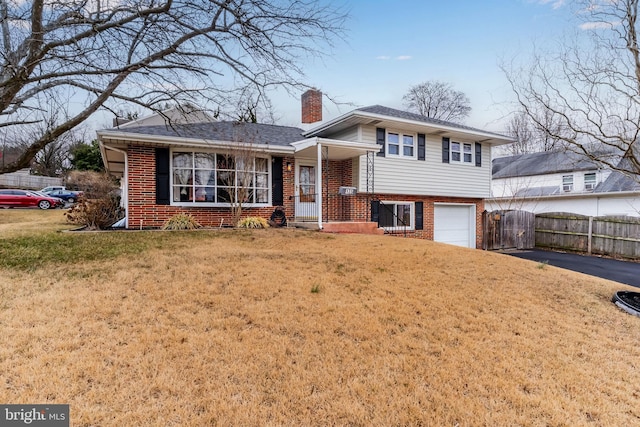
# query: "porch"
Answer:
x=333 y=185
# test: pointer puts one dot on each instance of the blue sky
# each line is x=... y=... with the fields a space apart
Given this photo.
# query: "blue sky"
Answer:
x=392 y=45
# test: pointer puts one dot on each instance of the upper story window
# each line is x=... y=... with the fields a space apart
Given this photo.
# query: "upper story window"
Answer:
x=461 y=152
x=219 y=178
x=590 y=181
x=401 y=144
x=567 y=183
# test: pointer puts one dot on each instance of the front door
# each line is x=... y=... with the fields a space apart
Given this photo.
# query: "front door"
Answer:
x=306 y=193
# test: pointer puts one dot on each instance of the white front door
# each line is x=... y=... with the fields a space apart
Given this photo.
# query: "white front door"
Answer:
x=306 y=193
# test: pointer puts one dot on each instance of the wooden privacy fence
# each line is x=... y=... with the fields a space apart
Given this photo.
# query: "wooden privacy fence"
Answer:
x=611 y=236
x=508 y=230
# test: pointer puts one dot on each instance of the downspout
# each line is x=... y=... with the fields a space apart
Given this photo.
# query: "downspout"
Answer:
x=125 y=189
x=319 y=184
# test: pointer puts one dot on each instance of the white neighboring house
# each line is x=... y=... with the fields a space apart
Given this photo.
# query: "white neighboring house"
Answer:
x=562 y=181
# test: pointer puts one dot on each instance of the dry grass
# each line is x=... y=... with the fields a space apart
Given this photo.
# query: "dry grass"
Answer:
x=23 y=222
x=226 y=328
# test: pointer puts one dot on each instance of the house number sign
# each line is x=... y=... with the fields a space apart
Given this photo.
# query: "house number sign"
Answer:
x=347 y=191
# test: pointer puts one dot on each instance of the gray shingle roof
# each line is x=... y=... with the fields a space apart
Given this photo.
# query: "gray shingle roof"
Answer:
x=550 y=162
x=406 y=115
x=543 y=163
x=538 y=191
x=254 y=133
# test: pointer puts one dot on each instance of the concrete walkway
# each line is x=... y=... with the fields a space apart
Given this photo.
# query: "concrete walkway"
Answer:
x=618 y=271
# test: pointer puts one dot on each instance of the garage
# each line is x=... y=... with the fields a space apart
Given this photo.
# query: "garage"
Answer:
x=455 y=224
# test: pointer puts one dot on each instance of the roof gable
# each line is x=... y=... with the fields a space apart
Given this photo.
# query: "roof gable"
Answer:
x=375 y=114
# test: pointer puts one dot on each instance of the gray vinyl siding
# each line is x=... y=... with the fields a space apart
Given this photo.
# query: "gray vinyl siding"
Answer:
x=395 y=175
x=350 y=134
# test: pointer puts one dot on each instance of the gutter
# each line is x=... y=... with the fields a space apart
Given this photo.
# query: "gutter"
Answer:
x=571 y=196
x=125 y=175
x=189 y=142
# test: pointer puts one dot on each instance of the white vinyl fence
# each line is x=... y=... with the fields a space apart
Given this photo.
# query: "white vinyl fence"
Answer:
x=23 y=180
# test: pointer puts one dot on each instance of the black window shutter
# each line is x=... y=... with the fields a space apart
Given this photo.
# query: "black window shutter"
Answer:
x=375 y=211
x=162 y=176
x=277 y=189
x=478 y=154
x=421 y=147
x=445 y=150
x=381 y=135
x=419 y=215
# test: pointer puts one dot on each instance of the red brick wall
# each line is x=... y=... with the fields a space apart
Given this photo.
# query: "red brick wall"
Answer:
x=143 y=211
x=362 y=212
x=312 y=106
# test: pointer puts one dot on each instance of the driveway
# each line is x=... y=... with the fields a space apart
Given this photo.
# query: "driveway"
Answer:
x=618 y=271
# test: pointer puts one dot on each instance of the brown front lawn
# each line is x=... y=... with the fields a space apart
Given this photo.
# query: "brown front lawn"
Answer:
x=287 y=327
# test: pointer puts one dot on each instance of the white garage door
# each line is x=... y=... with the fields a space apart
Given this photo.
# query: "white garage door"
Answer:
x=455 y=224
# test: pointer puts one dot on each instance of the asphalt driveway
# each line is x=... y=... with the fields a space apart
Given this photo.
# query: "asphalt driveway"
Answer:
x=618 y=271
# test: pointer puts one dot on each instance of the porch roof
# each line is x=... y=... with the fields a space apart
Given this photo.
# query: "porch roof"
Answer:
x=337 y=149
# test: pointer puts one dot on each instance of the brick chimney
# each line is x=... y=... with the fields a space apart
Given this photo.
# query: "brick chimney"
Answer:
x=311 y=106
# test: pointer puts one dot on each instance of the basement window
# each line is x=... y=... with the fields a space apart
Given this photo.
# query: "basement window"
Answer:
x=396 y=215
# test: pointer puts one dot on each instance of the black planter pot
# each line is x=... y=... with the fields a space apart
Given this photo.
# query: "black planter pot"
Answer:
x=628 y=301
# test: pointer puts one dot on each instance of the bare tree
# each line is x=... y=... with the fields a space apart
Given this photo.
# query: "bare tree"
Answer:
x=529 y=136
x=587 y=95
x=93 y=54
x=242 y=178
x=251 y=106
x=438 y=100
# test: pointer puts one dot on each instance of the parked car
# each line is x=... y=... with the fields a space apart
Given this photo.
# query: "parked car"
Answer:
x=66 y=195
x=47 y=190
x=24 y=198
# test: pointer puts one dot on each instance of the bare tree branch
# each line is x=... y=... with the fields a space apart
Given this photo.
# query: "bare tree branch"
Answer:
x=96 y=54
x=587 y=95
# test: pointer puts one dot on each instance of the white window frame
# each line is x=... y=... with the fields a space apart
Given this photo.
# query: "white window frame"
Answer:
x=461 y=152
x=567 y=183
x=412 y=214
x=400 y=144
x=592 y=183
x=195 y=203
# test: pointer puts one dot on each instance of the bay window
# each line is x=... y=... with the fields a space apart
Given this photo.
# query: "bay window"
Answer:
x=199 y=177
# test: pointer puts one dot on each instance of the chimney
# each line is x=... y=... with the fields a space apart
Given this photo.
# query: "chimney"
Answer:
x=311 y=106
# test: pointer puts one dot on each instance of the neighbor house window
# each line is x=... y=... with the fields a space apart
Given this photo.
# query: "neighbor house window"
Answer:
x=461 y=152
x=396 y=215
x=401 y=144
x=219 y=178
x=567 y=183
x=589 y=181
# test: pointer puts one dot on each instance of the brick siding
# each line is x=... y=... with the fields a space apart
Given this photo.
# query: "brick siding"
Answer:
x=143 y=211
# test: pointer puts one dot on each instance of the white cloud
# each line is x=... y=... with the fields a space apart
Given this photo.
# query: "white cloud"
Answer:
x=403 y=57
x=383 y=57
x=598 y=25
x=555 y=4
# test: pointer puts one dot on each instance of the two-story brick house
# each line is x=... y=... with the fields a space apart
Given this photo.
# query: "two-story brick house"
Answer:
x=401 y=171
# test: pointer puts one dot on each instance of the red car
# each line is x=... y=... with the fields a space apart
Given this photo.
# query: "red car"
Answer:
x=25 y=199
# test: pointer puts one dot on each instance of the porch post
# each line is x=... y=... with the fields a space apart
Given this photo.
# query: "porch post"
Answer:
x=319 y=184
